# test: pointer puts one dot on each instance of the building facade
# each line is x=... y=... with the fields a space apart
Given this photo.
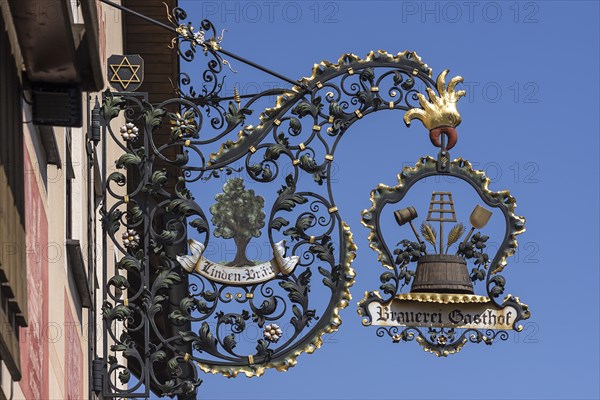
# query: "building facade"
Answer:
x=53 y=69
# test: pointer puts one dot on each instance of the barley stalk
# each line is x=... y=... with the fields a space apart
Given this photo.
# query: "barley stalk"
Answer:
x=429 y=233
x=455 y=233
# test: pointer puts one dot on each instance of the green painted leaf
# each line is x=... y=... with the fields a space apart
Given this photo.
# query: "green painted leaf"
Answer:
x=158 y=356
x=278 y=223
x=124 y=376
x=111 y=106
x=295 y=125
x=262 y=348
x=388 y=288
x=209 y=295
x=274 y=151
x=323 y=250
x=229 y=343
x=289 y=201
x=305 y=222
x=235 y=116
x=166 y=279
x=367 y=74
x=168 y=236
x=408 y=84
x=206 y=341
x=336 y=110
x=118 y=178
x=128 y=160
x=118 y=312
x=308 y=164
x=111 y=221
x=159 y=177
x=188 y=336
x=304 y=108
x=177 y=317
x=304 y=277
x=153 y=116
x=200 y=225
x=327 y=280
x=294 y=233
x=364 y=96
x=268 y=306
x=119 y=281
x=386 y=277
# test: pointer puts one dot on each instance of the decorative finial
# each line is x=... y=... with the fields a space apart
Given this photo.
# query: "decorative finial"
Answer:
x=439 y=114
x=236 y=97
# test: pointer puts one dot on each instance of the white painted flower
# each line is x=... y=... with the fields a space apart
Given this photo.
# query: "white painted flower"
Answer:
x=272 y=333
x=199 y=37
x=129 y=131
x=131 y=239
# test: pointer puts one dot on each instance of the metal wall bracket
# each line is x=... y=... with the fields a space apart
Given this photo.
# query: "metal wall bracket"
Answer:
x=98 y=372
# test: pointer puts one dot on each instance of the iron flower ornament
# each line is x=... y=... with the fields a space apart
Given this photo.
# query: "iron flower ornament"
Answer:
x=131 y=239
x=183 y=124
x=272 y=333
x=129 y=132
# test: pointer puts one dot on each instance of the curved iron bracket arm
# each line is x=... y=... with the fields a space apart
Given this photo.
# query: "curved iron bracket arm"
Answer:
x=136 y=222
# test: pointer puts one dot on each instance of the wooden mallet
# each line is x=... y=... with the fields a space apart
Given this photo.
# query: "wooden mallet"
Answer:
x=405 y=215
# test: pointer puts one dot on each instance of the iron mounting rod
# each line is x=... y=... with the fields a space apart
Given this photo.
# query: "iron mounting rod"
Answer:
x=257 y=66
x=137 y=14
x=227 y=53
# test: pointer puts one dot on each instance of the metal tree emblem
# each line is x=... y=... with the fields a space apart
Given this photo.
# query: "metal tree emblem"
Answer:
x=238 y=214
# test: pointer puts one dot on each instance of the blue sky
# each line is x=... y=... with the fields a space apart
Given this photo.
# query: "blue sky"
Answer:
x=530 y=120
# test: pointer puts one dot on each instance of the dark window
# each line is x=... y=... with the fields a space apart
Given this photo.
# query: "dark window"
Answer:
x=69 y=185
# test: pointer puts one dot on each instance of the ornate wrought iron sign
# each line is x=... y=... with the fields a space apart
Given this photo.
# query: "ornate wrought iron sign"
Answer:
x=171 y=310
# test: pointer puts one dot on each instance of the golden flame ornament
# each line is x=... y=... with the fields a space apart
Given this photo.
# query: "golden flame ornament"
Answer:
x=439 y=114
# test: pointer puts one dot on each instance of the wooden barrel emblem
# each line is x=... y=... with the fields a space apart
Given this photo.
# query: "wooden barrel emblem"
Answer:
x=442 y=273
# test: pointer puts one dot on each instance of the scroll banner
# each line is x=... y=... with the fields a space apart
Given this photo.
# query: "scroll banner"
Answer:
x=233 y=275
x=400 y=312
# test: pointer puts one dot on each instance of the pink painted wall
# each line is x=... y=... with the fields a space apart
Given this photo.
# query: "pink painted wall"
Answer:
x=73 y=356
x=34 y=338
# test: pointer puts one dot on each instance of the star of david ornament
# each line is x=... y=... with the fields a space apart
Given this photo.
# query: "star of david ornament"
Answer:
x=125 y=72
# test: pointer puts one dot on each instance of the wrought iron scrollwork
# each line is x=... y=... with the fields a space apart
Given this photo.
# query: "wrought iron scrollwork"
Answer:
x=320 y=108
